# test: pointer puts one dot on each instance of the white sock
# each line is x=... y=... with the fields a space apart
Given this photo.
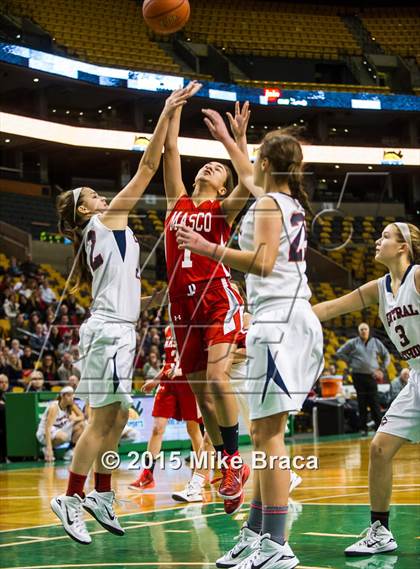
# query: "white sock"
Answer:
x=198 y=479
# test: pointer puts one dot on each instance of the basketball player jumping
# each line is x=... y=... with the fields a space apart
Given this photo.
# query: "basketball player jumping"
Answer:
x=398 y=296
x=107 y=256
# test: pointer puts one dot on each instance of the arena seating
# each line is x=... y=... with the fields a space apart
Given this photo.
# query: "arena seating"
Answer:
x=271 y=29
x=341 y=88
x=395 y=29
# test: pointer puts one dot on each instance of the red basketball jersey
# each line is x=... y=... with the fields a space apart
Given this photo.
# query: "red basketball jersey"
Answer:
x=186 y=268
x=170 y=350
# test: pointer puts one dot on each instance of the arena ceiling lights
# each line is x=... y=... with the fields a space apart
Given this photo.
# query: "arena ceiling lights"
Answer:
x=153 y=82
x=197 y=147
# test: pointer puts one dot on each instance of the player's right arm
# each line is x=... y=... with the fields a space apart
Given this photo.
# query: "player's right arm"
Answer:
x=364 y=296
x=51 y=417
x=172 y=172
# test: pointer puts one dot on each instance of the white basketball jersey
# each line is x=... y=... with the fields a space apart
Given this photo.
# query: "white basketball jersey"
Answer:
x=400 y=315
x=288 y=279
x=61 y=420
x=113 y=258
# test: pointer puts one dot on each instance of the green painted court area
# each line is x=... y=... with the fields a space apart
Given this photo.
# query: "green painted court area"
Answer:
x=194 y=536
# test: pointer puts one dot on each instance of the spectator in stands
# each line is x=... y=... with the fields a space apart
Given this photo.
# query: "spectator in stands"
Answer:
x=39 y=338
x=49 y=369
x=20 y=328
x=47 y=293
x=4 y=387
x=11 y=306
x=38 y=302
x=34 y=320
x=28 y=358
x=14 y=369
x=25 y=305
x=28 y=267
x=67 y=368
x=73 y=381
x=362 y=354
x=64 y=326
x=74 y=308
x=61 y=422
x=15 y=348
x=36 y=382
x=55 y=337
x=398 y=384
x=14 y=269
x=65 y=345
x=151 y=367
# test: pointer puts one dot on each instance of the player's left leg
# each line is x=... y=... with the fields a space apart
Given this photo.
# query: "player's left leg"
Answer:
x=99 y=502
x=145 y=479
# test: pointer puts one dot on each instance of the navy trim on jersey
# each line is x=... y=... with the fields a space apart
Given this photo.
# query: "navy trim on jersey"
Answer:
x=274 y=374
x=388 y=278
x=120 y=238
x=115 y=378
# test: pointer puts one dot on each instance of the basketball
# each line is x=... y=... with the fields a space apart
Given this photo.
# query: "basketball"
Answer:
x=166 y=16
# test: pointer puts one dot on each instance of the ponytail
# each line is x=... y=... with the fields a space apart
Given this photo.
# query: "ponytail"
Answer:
x=68 y=227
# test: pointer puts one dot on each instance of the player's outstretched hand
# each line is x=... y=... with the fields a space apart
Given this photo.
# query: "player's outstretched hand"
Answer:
x=239 y=123
x=179 y=97
x=187 y=238
x=216 y=125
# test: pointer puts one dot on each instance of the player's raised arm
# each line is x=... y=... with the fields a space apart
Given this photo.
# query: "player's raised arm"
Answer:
x=172 y=173
x=116 y=214
x=237 y=152
x=360 y=298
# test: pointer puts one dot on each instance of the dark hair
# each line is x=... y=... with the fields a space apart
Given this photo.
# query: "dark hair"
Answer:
x=415 y=241
x=229 y=182
x=284 y=151
x=69 y=227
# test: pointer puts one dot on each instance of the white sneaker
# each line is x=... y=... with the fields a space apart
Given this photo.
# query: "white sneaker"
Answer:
x=270 y=555
x=247 y=540
x=295 y=480
x=69 y=511
x=193 y=491
x=100 y=506
x=375 y=539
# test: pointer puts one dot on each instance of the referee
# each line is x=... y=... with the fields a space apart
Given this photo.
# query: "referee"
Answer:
x=362 y=355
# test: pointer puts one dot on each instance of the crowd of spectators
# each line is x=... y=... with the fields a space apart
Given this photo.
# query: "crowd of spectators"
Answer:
x=39 y=347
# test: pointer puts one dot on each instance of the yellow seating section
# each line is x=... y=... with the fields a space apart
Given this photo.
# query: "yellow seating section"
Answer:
x=271 y=29
x=339 y=87
x=396 y=29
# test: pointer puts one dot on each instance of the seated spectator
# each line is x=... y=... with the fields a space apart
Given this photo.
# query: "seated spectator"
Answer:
x=38 y=339
x=36 y=382
x=37 y=301
x=67 y=369
x=11 y=306
x=47 y=293
x=25 y=305
x=398 y=384
x=4 y=387
x=15 y=348
x=76 y=358
x=61 y=422
x=14 y=270
x=65 y=345
x=28 y=267
x=14 y=370
x=34 y=319
x=74 y=308
x=55 y=337
x=49 y=369
x=151 y=367
x=73 y=381
x=20 y=328
x=64 y=325
x=28 y=359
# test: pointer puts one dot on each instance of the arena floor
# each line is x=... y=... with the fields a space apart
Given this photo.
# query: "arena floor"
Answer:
x=327 y=512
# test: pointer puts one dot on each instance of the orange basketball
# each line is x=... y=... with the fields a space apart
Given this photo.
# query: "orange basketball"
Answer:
x=166 y=16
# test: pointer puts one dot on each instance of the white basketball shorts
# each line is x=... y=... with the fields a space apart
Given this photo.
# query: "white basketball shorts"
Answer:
x=284 y=358
x=403 y=417
x=107 y=351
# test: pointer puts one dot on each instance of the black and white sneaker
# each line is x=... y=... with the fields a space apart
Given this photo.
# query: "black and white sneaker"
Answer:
x=69 y=511
x=100 y=506
x=375 y=539
x=245 y=546
x=270 y=555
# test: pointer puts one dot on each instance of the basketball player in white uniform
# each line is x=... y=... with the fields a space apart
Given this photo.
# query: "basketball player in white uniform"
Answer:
x=284 y=343
x=107 y=256
x=398 y=295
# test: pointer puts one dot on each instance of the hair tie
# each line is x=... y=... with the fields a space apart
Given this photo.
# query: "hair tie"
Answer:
x=76 y=196
x=405 y=232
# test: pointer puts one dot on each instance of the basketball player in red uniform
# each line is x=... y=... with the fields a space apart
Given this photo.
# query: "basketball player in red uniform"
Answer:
x=173 y=400
x=205 y=310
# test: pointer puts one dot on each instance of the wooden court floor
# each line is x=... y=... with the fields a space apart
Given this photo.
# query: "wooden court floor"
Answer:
x=326 y=513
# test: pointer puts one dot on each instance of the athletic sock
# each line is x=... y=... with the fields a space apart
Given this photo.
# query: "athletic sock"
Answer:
x=255 y=516
x=102 y=482
x=274 y=522
x=75 y=484
x=198 y=479
x=382 y=517
x=230 y=436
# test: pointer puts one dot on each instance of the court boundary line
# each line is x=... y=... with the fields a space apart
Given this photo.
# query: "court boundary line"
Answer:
x=139 y=564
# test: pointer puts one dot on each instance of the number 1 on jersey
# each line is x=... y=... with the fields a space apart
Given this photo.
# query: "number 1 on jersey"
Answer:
x=186 y=261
